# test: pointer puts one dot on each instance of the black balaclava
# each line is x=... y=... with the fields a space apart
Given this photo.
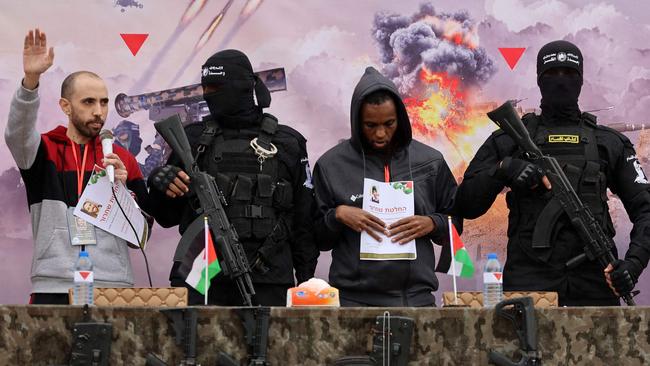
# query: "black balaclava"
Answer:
x=232 y=104
x=559 y=92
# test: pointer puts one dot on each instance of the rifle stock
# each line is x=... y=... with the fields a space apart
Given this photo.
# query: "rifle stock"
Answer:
x=522 y=317
x=171 y=130
x=507 y=119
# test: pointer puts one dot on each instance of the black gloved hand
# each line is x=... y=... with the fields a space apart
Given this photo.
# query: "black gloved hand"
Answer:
x=624 y=276
x=518 y=173
x=162 y=177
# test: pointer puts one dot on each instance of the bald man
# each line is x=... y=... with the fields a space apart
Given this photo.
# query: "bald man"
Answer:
x=56 y=166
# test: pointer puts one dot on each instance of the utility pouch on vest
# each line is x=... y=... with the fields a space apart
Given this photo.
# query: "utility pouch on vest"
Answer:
x=264 y=190
x=225 y=184
x=283 y=195
x=591 y=173
x=240 y=199
x=242 y=189
x=262 y=225
x=590 y=188
x=264 y=186
x=573 y=173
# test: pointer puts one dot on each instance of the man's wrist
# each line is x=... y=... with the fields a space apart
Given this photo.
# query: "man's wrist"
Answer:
x=30 y=81
x=332 y=221
x=434 y=226
x=337 y=216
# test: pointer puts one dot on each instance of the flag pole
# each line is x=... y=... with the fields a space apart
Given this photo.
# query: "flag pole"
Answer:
x=205 y=256
x=453 y=259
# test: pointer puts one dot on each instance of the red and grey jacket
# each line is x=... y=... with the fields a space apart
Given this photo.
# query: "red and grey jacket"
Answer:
x=49 y=170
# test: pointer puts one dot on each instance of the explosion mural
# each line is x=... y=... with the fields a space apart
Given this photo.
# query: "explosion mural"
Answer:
x=444 y=117
x=437 y=64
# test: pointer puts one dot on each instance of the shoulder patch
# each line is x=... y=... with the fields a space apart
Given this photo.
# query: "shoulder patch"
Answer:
x=640 y=174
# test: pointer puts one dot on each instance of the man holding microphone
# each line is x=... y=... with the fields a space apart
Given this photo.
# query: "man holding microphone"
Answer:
x=56 y=166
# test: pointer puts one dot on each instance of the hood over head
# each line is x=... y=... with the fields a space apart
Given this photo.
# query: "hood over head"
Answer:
x=370 y=82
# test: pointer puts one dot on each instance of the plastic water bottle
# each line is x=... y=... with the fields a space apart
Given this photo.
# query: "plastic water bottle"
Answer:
x=492 y=282
x=83 y=280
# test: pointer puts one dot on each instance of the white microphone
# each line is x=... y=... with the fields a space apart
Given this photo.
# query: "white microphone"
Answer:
x=107 y=139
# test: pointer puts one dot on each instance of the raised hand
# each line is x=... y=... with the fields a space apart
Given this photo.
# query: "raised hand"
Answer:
x=37 y=58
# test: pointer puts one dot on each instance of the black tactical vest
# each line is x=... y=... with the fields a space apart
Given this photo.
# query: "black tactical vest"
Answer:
x=576 y=150
x=258 y=198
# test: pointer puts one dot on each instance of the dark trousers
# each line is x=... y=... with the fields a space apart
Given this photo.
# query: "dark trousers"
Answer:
x=49 y=299
x=227 y=294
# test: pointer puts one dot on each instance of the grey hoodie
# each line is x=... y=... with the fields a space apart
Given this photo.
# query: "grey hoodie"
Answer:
x=46 y=166
x=338 y=180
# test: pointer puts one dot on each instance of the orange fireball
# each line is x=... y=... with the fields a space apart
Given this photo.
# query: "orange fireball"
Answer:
x=443 y=118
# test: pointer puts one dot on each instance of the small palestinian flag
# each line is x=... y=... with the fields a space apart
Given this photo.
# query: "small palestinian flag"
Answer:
x=204 y=267
x=462 y=263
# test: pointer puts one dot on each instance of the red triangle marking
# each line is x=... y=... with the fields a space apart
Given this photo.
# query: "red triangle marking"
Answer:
x=84 y=274
x=498 y=276
x=134 y=41
x=512 y=55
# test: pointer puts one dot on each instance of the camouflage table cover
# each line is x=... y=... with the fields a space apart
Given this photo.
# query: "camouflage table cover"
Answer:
x=41 y=335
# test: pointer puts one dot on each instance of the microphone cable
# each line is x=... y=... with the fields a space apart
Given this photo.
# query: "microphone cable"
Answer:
x=137 y=237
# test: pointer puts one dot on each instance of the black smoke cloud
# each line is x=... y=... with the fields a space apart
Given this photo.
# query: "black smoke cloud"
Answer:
x=408 y=44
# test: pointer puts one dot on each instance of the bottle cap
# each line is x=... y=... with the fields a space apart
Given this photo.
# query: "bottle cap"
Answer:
x=492 y=256
x=83 y=253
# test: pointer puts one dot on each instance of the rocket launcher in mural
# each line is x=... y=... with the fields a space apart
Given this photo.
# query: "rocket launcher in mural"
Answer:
x=125 y=105
x=629 y=127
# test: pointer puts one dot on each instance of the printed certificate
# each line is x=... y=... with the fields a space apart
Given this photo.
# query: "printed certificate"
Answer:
x=97 y=206
x=390 y=202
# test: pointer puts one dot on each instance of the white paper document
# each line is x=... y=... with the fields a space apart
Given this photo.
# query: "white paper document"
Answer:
x=97 y=205
x=390 y=202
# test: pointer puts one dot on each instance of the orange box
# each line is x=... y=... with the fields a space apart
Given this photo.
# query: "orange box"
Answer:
x=313 y=293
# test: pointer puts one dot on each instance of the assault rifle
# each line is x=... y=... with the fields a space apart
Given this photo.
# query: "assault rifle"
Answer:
x=598 y=246
x=91 y=342
x=183 y=322
x=523 y=318
x=210 y=201
x=391 y=343
x=256 y=333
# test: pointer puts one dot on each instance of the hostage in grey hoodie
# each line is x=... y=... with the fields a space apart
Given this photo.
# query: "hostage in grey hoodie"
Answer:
x=338 y=181
x=48 y=169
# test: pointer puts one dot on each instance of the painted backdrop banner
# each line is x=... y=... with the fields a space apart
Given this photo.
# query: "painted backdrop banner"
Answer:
x=452 y=62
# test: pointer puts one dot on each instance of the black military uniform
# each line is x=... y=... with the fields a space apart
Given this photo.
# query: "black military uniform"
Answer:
x=270 y=198
x=540 y=237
